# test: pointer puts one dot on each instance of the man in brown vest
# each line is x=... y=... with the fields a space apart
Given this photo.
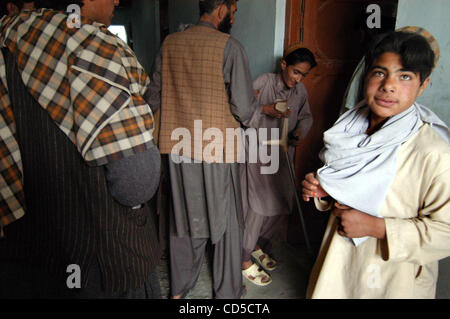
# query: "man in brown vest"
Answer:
x=204 y=80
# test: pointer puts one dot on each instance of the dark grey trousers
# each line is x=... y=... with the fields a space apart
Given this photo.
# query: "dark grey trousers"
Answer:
x=207 y=207
x=186 y=258
x=259 y=230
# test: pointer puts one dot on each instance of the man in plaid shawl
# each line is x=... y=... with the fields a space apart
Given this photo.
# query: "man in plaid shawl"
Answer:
x=78 y=161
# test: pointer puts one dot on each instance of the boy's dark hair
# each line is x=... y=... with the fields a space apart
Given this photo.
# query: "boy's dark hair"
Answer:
x=300 y=55
x=208 y=6
x=414 y=50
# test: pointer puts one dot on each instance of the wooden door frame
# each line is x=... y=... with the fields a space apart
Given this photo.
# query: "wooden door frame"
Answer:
x=293 y=7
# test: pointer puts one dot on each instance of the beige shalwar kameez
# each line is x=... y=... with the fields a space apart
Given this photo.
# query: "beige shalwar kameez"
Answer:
x=417 y=217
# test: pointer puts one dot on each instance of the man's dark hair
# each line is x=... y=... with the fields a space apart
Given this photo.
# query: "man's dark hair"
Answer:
x=208 y=6
x=4 y=10
x=414 y=50
x=300 y=55
x=18 y=3
x=60 y=4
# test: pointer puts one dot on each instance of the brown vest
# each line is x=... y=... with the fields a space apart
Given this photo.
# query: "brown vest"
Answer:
x=193 y=89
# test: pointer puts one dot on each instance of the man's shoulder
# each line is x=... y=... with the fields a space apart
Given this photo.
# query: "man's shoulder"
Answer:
x=234 y=49
x=198 y=32
x=233 y=42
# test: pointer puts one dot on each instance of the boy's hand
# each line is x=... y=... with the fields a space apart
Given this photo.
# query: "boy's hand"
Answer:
x=271 y=111
x=312 y=188
x=355 y=224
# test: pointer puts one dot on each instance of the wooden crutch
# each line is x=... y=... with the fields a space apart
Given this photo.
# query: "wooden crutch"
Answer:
x=283 y=143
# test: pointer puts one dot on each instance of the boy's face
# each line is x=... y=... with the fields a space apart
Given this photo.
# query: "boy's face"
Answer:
x=293 y=74
x=389 y=88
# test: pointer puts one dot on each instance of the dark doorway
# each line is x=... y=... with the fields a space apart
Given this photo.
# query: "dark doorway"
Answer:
x=164 y=18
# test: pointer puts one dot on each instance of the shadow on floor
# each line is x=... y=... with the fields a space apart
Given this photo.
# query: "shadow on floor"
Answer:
x=290 y=279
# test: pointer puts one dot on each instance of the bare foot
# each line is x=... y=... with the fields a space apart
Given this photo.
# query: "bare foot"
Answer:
x=246 y=264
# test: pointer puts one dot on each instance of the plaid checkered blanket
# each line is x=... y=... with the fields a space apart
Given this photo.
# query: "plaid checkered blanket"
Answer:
x=87 y=79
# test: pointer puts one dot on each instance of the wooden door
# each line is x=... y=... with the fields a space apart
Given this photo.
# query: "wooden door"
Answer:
x=336 y=32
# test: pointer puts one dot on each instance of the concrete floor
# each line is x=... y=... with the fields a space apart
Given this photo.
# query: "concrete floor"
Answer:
x=290 y=279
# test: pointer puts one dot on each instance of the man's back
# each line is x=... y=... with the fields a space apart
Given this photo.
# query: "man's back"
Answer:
x=71 y=216
x=82 y=210
x=193 y=87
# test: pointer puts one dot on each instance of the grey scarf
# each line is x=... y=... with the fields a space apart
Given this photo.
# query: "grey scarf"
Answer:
x=359 y=169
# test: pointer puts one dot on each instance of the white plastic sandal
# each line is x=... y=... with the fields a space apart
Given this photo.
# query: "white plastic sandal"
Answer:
x=266 y=260
x=257 y=275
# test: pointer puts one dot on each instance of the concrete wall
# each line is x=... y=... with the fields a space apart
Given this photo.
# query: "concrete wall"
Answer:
x=433 y=16
x=259 y=26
